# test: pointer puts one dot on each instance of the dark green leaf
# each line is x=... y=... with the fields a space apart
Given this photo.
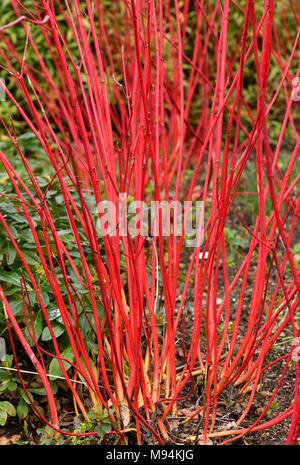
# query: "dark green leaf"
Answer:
x=58 y=330
x=54 y=368
x=3 y=417
x=22 y=409
x=8 y=408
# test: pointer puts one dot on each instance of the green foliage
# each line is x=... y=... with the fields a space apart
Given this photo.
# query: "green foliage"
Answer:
x=11 y=267
x=11 y=386
x=98 y=422
x=14 y=279
x=235 y=243
x=6 y=409
x=54 y=368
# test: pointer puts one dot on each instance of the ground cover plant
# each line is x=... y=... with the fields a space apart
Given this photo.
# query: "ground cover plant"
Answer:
x=134 y=336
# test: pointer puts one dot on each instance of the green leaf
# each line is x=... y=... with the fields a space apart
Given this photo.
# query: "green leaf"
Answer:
x=27 y=136
x=39 y=391
x=4 y=384
x=16 y=306
x=22 y=409
x=12 y=386
x=296 y=248
x=38 y=324
x=19 y=218
x=4 y=375
x=8 y=408
x=11 y=278
x=25 y=396
x=102 y=429
x=54 y=368
x=38 y=328
x=14 y=231
x=8 y=361
x=3 y=417
x=92 y=365
x=11 y=254
x=45 y=298
x=31 y=258
x=84 y=325
x=58 y=330
x=53 y=387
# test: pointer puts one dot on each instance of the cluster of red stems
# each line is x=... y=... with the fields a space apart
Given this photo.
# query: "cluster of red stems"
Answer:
x=118 y=121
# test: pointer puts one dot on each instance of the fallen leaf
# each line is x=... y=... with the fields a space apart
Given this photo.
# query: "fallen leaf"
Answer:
x=174 y=423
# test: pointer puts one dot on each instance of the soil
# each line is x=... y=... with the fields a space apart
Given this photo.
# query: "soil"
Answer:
x=229 y=409
x=230 y=406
